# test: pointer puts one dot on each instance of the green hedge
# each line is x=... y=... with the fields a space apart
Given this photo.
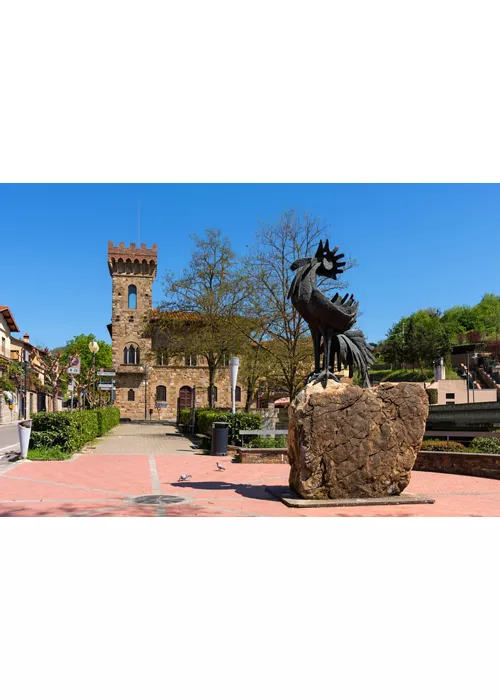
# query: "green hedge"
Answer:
x=486 y=445
x=279 y=441
x=107 y=418
x=184 y=416
x=443 y=446
x=432 y=395
x=237 y=421
x=71 y=430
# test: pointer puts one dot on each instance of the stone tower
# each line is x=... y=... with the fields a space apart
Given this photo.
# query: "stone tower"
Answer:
x=132 y=270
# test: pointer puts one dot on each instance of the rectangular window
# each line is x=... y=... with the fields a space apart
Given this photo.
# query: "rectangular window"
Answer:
x=450 y=396
x=190 y=360
x=3 y=345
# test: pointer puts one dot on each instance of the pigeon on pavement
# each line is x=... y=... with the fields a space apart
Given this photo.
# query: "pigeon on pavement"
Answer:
x=220 y=467
x=183 y=477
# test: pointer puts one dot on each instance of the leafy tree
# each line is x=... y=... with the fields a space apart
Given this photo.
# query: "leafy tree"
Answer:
x=418 y=339
x=200 y=304
x=488 y=315
x=458 y=320
x=87 y=379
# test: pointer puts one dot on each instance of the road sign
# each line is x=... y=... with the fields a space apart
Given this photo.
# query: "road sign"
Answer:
x=105 y=387
x=161 y=405
x=74 y=366
x=100 y=373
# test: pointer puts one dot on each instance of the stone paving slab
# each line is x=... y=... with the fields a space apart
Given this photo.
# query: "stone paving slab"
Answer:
x=145 y=438
x=102 y=484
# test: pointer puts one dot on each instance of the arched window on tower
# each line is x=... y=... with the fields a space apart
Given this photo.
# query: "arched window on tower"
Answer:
x=131 y=355
x=131 y=395
x=161 y=394
x=132 y=296
x=237 y=394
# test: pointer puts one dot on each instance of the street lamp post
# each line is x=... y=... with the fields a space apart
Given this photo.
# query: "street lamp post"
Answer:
x=234 y=363
x=26 y=359
x=94 y=348
x=474 y=364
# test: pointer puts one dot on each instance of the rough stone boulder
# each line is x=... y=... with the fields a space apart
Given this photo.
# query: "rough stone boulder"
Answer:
x=348 y=442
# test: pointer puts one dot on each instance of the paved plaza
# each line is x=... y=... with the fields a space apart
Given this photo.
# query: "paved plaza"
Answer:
x=134 y=472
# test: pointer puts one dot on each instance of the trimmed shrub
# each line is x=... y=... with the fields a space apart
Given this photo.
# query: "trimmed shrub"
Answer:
x=277 y=441
x=237 y=421
x=487 y=445
x=184 y=416
x=206 y=416
x=242 y=421
x=107 y=418
x=71 y=430
x=442 y=446
x=432 y=395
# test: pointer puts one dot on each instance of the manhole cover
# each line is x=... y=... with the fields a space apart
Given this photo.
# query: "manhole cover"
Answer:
x=157 y=500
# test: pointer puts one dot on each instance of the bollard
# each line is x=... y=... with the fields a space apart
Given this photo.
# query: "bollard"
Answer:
x=24 y=428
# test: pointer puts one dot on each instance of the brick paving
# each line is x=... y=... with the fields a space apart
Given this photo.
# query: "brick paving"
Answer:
x=141 y=459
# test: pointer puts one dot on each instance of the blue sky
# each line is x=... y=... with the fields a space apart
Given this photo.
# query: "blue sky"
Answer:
x=416 y=245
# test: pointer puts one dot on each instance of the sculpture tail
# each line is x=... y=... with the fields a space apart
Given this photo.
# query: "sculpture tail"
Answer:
x=353 y=349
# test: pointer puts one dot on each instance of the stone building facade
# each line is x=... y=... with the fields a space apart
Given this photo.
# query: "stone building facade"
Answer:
x=36 y=396
x=144 y=388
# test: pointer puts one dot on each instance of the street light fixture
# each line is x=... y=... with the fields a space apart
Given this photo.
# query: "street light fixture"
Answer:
x=94 y=348
x=234 y=363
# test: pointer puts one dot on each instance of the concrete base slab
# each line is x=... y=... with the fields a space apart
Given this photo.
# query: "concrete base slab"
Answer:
x=293 y=500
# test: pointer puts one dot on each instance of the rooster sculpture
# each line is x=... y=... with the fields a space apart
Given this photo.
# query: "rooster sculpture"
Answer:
x=329 y=320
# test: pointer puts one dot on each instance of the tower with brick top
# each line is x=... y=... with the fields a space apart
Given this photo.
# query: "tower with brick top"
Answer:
x=132 y=270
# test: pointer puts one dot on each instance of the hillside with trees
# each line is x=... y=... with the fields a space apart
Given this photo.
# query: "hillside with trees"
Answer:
x=420 y=338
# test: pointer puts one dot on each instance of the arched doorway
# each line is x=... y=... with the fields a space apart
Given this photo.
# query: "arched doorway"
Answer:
x=185 y=397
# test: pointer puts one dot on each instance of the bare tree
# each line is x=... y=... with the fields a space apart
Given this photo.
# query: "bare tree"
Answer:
x=195 y=316
x=282 y=332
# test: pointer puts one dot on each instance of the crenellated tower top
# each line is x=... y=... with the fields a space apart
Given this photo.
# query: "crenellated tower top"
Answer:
x=132 y=260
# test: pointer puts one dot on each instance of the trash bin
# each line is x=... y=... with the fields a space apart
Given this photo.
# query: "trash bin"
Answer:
x=24 y=428
x=220 y=434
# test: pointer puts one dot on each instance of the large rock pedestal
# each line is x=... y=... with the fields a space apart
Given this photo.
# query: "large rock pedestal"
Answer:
x=348 y=442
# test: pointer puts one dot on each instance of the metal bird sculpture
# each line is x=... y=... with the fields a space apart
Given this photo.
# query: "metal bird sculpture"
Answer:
x=329 y=320
x=184 y=477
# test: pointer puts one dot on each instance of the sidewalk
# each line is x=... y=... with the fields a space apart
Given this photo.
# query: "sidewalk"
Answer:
x=102 y=485
x=145 y=438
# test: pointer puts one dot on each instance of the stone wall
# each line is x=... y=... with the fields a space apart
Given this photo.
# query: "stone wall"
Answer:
x=262 y=455
x=6 y=415
x=464 y=463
